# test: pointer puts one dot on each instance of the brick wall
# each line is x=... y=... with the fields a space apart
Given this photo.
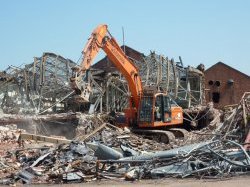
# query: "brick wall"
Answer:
x=228 y=93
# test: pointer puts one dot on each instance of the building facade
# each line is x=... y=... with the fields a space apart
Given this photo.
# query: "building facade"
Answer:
x=225 y=85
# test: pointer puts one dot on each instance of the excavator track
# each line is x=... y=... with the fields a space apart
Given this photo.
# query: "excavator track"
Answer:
x=159 y=135
x=179 y=133
x=164 y=136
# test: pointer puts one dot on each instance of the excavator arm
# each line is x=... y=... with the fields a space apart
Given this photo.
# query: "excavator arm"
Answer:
x=102 y=39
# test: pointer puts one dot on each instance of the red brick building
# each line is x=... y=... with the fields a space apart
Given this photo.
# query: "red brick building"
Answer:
x=225 y=85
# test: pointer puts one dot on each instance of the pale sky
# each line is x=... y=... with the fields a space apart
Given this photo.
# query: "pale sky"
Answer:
x=198 y=31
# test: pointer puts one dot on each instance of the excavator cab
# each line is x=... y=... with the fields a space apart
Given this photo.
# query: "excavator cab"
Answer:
x=162 y=108
x=156 y=110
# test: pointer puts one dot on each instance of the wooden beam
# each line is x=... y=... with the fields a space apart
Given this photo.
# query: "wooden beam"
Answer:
x=27 y=136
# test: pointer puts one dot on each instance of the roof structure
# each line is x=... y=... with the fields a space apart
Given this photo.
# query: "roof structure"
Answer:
x=223 y=64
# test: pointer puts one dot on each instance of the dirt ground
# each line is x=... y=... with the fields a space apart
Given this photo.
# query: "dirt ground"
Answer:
x=231 y=182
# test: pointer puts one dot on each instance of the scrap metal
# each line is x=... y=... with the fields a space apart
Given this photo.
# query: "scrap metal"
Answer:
x=110 y=152
x=36 y=86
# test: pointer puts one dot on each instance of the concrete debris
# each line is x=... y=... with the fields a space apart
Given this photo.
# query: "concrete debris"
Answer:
x=110 y=152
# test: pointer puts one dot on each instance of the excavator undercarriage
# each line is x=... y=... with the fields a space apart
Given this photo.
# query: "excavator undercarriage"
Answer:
x=164 y=136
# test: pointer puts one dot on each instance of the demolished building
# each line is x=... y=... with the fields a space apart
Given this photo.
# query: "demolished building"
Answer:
x=43 y=86
x=184 y=84
x=90 y=148
x=37 y=86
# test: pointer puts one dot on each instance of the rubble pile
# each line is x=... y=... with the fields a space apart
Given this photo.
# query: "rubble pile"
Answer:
x=101 y=151
x=113 y=136
x=8 y=138
x=8 y=133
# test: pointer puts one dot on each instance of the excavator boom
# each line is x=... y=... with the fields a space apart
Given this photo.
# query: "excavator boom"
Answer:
x=101 y=39
x=93 y=46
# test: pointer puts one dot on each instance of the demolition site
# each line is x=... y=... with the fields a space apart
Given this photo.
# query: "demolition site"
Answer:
x=128 y=117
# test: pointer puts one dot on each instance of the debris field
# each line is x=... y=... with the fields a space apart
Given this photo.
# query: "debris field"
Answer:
x=147 y=118
x=102 y=151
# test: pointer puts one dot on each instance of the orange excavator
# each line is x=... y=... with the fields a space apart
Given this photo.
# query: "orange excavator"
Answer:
x=149 y=111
